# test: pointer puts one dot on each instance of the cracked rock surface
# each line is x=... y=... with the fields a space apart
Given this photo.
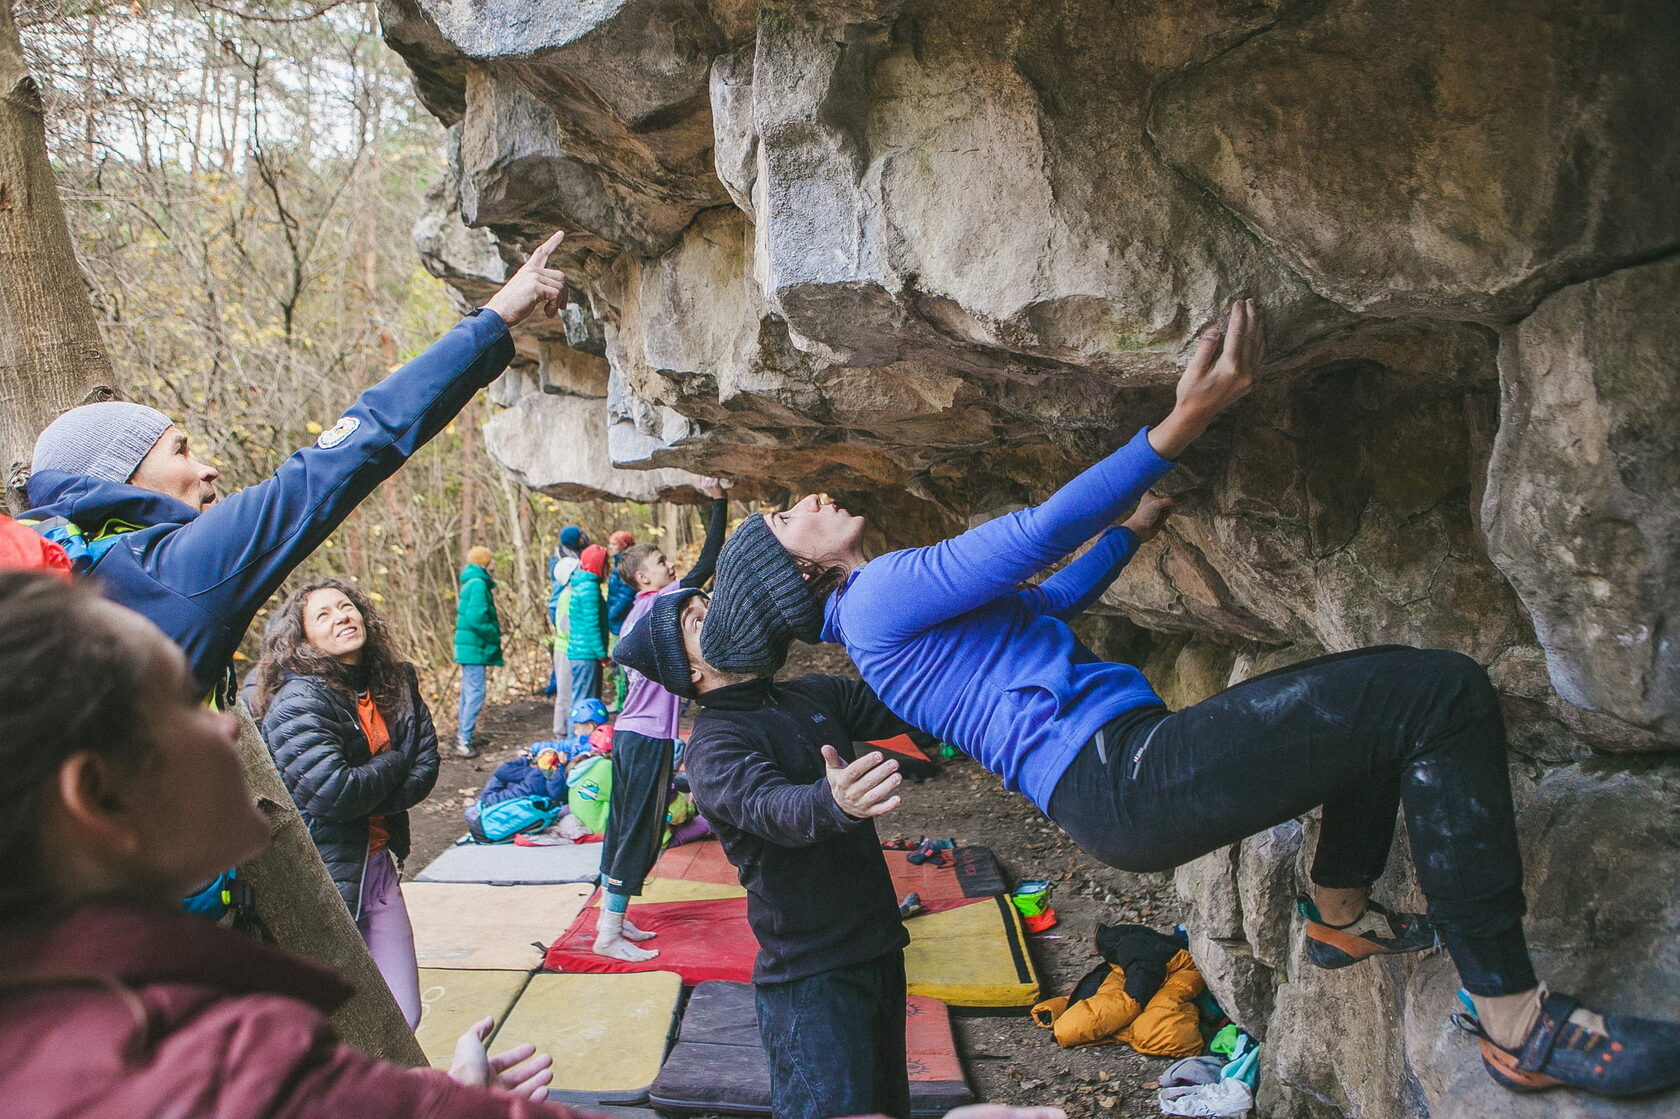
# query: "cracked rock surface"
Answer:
x=934 y=256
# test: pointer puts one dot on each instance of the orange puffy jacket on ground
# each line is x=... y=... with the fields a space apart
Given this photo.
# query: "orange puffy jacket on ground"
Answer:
x=1165 y=1026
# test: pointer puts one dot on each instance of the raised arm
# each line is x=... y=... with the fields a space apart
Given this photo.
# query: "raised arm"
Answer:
x=1073 y=589
x=903 y=593
x=715 y=528
x=236 y=553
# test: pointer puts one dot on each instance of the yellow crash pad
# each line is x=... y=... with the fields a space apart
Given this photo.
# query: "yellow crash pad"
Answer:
x=680 y=889
x=607 y=1032
x=503 y=928
x=972 y=957
x=452 y=1000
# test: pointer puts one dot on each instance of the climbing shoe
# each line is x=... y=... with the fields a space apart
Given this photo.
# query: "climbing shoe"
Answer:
x=1630 y=1057
x=1378 y=932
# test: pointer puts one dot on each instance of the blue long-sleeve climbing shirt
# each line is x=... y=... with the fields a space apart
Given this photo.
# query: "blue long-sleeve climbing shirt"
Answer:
x=951 y=644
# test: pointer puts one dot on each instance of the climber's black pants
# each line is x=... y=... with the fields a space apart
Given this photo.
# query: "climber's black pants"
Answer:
x=1361 y=733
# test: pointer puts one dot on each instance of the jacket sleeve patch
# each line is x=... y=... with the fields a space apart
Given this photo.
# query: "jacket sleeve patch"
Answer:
x=338 y=432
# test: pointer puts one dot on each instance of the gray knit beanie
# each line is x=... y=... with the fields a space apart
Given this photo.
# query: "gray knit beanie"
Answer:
x=759 y=603
x=105 y=440
x=654 y=645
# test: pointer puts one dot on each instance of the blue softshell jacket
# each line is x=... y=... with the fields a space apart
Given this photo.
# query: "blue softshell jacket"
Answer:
x=201 y=577
x=952 y=645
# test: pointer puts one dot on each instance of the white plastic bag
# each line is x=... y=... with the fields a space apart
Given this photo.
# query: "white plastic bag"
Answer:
x=1221 y=1098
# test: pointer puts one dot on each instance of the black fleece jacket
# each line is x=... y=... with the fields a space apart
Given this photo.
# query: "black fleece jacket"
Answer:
x=818 y=893
x=322 y=754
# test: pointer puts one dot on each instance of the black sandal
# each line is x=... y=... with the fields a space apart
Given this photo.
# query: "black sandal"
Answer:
x=1633 y=1057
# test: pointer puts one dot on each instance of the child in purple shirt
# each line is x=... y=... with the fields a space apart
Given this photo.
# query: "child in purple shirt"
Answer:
x=643 y=741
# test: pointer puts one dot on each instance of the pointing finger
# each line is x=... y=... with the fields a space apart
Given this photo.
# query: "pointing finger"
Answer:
x=539 y=256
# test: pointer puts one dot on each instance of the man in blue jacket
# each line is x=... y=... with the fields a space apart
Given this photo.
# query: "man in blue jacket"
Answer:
x=117 y=483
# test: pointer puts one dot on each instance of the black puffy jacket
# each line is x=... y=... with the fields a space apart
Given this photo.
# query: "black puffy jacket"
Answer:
x=322 y=754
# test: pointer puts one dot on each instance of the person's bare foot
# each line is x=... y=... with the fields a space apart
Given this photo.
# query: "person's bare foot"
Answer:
x=631 y=932
x=613 y=941
x=618 y=948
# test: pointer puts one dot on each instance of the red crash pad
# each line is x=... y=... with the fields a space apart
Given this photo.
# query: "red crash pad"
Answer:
x=699 y=940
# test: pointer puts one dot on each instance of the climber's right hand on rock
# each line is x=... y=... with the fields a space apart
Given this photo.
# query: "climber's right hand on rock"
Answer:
x=864 y=788
x=535 y=283
x=1220 y=373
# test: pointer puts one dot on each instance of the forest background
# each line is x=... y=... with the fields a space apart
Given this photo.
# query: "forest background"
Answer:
x=241 y=180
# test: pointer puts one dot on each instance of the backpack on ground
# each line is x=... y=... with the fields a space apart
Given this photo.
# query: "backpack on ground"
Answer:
x=499 y=823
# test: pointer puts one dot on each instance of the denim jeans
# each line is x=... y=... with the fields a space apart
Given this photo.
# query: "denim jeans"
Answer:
x=586 y=680
x=472 y=702
x=1364 y=734
x=836 y=1042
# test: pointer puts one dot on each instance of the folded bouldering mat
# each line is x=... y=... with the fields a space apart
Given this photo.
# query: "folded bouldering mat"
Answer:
x=968 y=872
x=507 y=864
x=699 y=940
x=452 y=1000
x=607 y=1033
x=969 y=954
x=470 y=925
x=718 y=1064
x=972 y=957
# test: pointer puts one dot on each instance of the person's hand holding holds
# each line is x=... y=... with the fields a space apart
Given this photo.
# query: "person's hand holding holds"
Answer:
x=864 y=788
x=1219 y=374
x=521 y=1070
x=535 y=283
x=712 y=488
x=1150 y=516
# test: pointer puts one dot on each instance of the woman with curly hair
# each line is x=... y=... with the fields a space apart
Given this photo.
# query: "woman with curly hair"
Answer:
x=353 y=740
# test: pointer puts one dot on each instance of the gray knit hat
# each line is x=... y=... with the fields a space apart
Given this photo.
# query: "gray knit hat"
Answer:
x=105 y=440
x=759 y=603
x=654 y=645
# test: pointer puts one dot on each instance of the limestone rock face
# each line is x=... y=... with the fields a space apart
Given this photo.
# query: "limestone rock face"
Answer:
x=936 y=256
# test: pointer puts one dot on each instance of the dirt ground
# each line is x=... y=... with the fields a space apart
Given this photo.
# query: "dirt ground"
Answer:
x=1008 y=1059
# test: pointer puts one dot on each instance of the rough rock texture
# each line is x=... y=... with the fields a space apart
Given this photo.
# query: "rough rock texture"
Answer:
x=933 y=256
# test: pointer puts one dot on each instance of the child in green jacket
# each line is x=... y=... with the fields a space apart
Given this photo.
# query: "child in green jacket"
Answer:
x=586 y=648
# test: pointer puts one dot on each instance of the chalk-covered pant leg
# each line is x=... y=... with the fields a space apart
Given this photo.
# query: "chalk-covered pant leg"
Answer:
x=1360 y=733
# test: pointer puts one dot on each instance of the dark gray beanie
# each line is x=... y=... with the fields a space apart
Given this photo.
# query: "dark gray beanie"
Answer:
x=105 y=440
x=654 y=645
x=759 y=603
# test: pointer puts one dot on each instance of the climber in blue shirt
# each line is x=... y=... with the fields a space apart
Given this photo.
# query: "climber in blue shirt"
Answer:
x=951 y=643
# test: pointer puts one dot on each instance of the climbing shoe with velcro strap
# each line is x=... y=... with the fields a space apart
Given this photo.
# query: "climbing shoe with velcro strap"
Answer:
x=1630 y=1057
x=1378 y=932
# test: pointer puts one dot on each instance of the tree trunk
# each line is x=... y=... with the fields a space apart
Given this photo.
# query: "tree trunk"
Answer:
x=50 y=358
x=50 y=353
